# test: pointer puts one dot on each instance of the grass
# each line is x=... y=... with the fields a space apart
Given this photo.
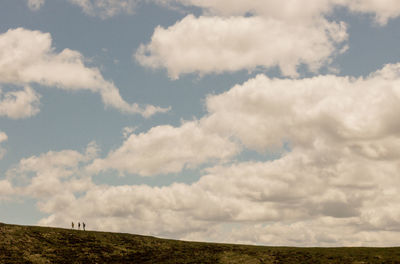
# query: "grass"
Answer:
x=33 y=244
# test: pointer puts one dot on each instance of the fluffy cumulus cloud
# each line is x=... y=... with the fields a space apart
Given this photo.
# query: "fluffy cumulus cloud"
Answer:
x=53 y=177
x=19 y=104
x=217 y=44
x=329 y=108
x=236 y=35
x=337 y=185
x=27 y=56
x=167 y=149
x=286 y=202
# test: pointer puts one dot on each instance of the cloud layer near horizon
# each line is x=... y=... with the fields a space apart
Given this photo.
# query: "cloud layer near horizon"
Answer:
x=337 y=185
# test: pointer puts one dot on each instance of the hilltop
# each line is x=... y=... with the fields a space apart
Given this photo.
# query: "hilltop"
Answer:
x=33 y=244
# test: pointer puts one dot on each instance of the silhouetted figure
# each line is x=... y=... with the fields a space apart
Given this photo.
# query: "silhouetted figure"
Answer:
x=83 y=226
x=79 y=225
x=72 y=225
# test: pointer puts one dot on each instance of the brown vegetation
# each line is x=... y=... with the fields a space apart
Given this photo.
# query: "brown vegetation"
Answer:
x=31 y=244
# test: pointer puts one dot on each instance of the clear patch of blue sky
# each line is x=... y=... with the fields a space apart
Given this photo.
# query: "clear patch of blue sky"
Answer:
x=370 y=45
x=20 y=212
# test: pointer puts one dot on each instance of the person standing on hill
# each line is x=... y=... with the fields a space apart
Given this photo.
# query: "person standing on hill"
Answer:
x=79 y=225
x=83 y=226
x=72 y=224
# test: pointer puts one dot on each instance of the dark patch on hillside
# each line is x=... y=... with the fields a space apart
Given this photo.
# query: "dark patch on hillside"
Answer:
x=31 y=244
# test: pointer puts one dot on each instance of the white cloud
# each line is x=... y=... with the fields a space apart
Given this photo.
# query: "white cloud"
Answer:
x=19 y=104
x=215 y=44
x=285 y=202
x=264 y=113
x=106 y=8
x=245 y=42
x=6 y=190
x=166 y=149
x=293 y=11
x=298 y=11
x=325 y=231
x=35 y=4
x=337 y=186
x=234 y=35
x=383 y=10
x=28 y=57
x=283 y=196
x=282 y=10
x=52 y=175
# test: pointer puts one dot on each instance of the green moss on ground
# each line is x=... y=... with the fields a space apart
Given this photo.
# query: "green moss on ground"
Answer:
x=31 y=244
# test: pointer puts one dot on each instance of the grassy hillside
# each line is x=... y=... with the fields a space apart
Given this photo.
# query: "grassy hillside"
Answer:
x=28 y=244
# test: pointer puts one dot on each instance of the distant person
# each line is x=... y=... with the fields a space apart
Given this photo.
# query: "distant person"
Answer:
x=72 y=224
x=83 y=226
x=79 y=225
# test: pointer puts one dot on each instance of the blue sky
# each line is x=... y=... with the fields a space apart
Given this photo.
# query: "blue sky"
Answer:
x=262 y=122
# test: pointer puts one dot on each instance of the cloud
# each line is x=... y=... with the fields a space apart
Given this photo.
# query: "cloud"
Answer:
x=101 y=8
x=19 y=104
x=290 y=194
x=167 y=149
x=52 y=175
x=328 y=108
x=283 y=10
x=242 y=35
x=106 y=8
x=244 y=42
x=336 y=186
x=382 y=10
x=35 y=4
x=6 y=190
x=3 y=137
x=28 y=57
x=215 y=44
x=294 y=11
x=298 y=11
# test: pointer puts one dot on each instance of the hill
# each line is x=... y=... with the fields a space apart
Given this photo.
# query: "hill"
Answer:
x=32 y=244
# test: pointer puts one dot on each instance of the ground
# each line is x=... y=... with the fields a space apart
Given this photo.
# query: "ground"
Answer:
x=32 y=244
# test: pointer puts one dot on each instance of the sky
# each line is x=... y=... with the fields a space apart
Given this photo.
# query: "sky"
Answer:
x=260 y=122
